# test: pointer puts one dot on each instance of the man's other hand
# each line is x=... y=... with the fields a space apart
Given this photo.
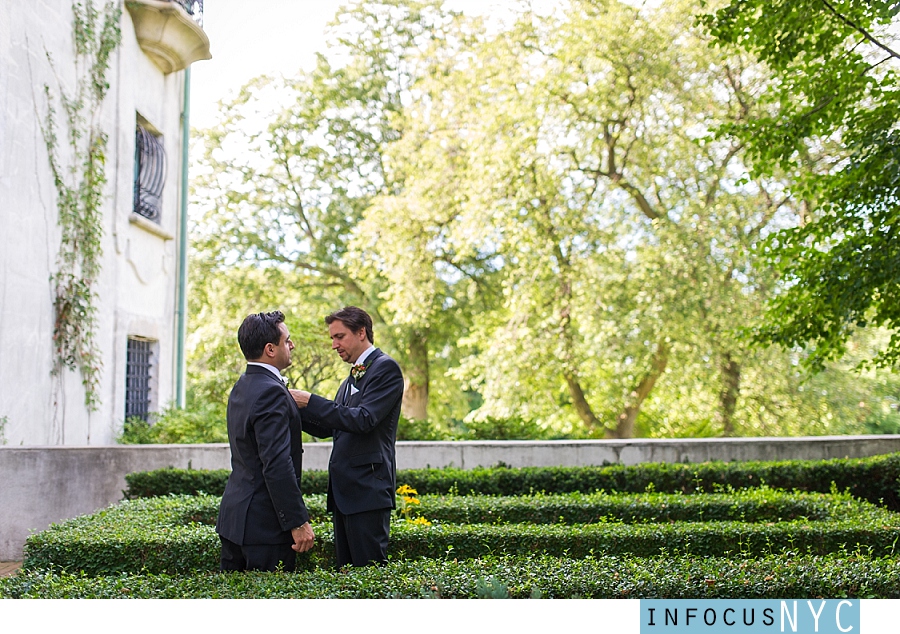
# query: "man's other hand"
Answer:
x=301 y=398
x=303 y=538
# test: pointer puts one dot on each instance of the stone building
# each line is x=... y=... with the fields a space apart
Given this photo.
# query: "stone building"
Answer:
x=139 y=221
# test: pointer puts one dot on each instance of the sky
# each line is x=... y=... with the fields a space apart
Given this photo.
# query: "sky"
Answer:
x=271 y=37
x=249 y=39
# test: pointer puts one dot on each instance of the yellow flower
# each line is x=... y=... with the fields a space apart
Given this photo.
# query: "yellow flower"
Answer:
x=405 y=489
x=421 y=521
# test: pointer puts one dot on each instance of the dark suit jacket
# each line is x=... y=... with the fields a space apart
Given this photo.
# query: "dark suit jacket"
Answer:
x=362 y=471
x=262 y=500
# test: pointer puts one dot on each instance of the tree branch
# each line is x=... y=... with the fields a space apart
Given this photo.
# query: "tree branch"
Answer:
x=859 y=29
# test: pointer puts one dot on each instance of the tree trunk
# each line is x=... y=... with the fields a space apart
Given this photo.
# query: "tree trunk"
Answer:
x=625 y=421
x=731 y=384
x=415 y=392
x=582 y=407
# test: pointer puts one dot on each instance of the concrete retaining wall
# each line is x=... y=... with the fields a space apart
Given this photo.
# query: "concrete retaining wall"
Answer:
x=42 y=485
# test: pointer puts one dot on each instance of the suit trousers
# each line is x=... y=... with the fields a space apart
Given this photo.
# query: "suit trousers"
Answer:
x=257 y=557
x=361 y=539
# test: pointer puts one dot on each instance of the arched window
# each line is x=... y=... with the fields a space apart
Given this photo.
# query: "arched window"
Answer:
x=149 y=173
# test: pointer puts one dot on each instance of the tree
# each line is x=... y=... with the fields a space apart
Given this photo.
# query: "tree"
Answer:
x=219 y=301
x=538 y=214
x=290 y=194
x=837 y=84
x=619 y=235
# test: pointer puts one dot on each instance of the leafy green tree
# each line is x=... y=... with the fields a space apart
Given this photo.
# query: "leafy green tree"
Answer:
x=615 y=232
x=219 y=301
x=837 y=75
x=538 y=215
x=292 y=193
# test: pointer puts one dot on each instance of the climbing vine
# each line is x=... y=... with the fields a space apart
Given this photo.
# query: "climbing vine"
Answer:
x=79 y=176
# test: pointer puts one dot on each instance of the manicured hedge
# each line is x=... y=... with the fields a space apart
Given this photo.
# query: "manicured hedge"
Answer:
x=672 y=577
x=708 y=539
x=167 y=535
x=749 y=505
x=173 y=534
x=876 y=479
x=172 y=481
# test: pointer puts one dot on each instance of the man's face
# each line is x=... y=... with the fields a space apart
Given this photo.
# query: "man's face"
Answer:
x=282 y=358
x=349 y=345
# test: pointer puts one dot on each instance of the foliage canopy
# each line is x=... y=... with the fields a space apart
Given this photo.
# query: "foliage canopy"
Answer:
x=837 y=87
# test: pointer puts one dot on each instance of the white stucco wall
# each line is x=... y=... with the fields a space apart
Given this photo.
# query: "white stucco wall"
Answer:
x=137 y=285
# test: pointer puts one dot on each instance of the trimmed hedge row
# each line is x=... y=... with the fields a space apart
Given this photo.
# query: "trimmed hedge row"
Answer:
x=876 y=479
x=752 y=505
x=673 y=577
x=162 y=535
x=707 y=539
x=172 y=481
x=749 y=505
x=172 y=534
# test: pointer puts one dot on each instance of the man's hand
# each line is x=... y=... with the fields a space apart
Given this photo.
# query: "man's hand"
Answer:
x=301 y=398
x=303 y=538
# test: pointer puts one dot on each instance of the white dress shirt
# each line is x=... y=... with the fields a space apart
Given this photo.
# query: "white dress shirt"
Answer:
x=270 y=368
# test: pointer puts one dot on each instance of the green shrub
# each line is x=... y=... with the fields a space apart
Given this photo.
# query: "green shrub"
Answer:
x=749 y=505
x=761 y=504
x=136 y=431
x=157 y=535
x=875 y=479
x=707 y=539
x=670 y=577
x=511 y=428
x=174 y=536
x=176 y=426
x=413 y=429
x=172 y=481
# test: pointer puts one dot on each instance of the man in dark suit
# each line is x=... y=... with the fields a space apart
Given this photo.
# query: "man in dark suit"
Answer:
x=263 y=522
x=362 y=471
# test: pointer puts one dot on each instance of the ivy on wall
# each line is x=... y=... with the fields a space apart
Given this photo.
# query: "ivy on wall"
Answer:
x=79 y=176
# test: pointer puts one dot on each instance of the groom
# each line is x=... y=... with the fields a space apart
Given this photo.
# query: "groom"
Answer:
x=263 y=522
x=362 y=419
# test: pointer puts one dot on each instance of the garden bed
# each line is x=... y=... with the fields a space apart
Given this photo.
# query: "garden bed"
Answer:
x=174 y=535
x=664 y=577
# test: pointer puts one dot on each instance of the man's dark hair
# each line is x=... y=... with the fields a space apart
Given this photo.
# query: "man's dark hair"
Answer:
x=257 y=330
x=355 y=319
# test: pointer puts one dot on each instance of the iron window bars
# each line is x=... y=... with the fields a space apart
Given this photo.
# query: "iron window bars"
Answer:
x=150 y=173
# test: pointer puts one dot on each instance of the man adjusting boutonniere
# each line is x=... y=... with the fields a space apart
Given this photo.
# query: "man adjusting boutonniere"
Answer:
x=362 y=470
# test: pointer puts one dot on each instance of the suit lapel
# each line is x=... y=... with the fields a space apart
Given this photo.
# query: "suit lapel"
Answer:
x=343 y=393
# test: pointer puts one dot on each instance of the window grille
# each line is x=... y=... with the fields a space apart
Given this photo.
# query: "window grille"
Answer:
x=138 y=366
x=149 y=173
x=194 y=8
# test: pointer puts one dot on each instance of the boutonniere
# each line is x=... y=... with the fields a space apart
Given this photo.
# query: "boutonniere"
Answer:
x=358 y=371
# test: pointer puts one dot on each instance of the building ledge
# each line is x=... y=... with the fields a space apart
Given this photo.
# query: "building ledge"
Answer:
x=168 y=34
x=149 y=226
